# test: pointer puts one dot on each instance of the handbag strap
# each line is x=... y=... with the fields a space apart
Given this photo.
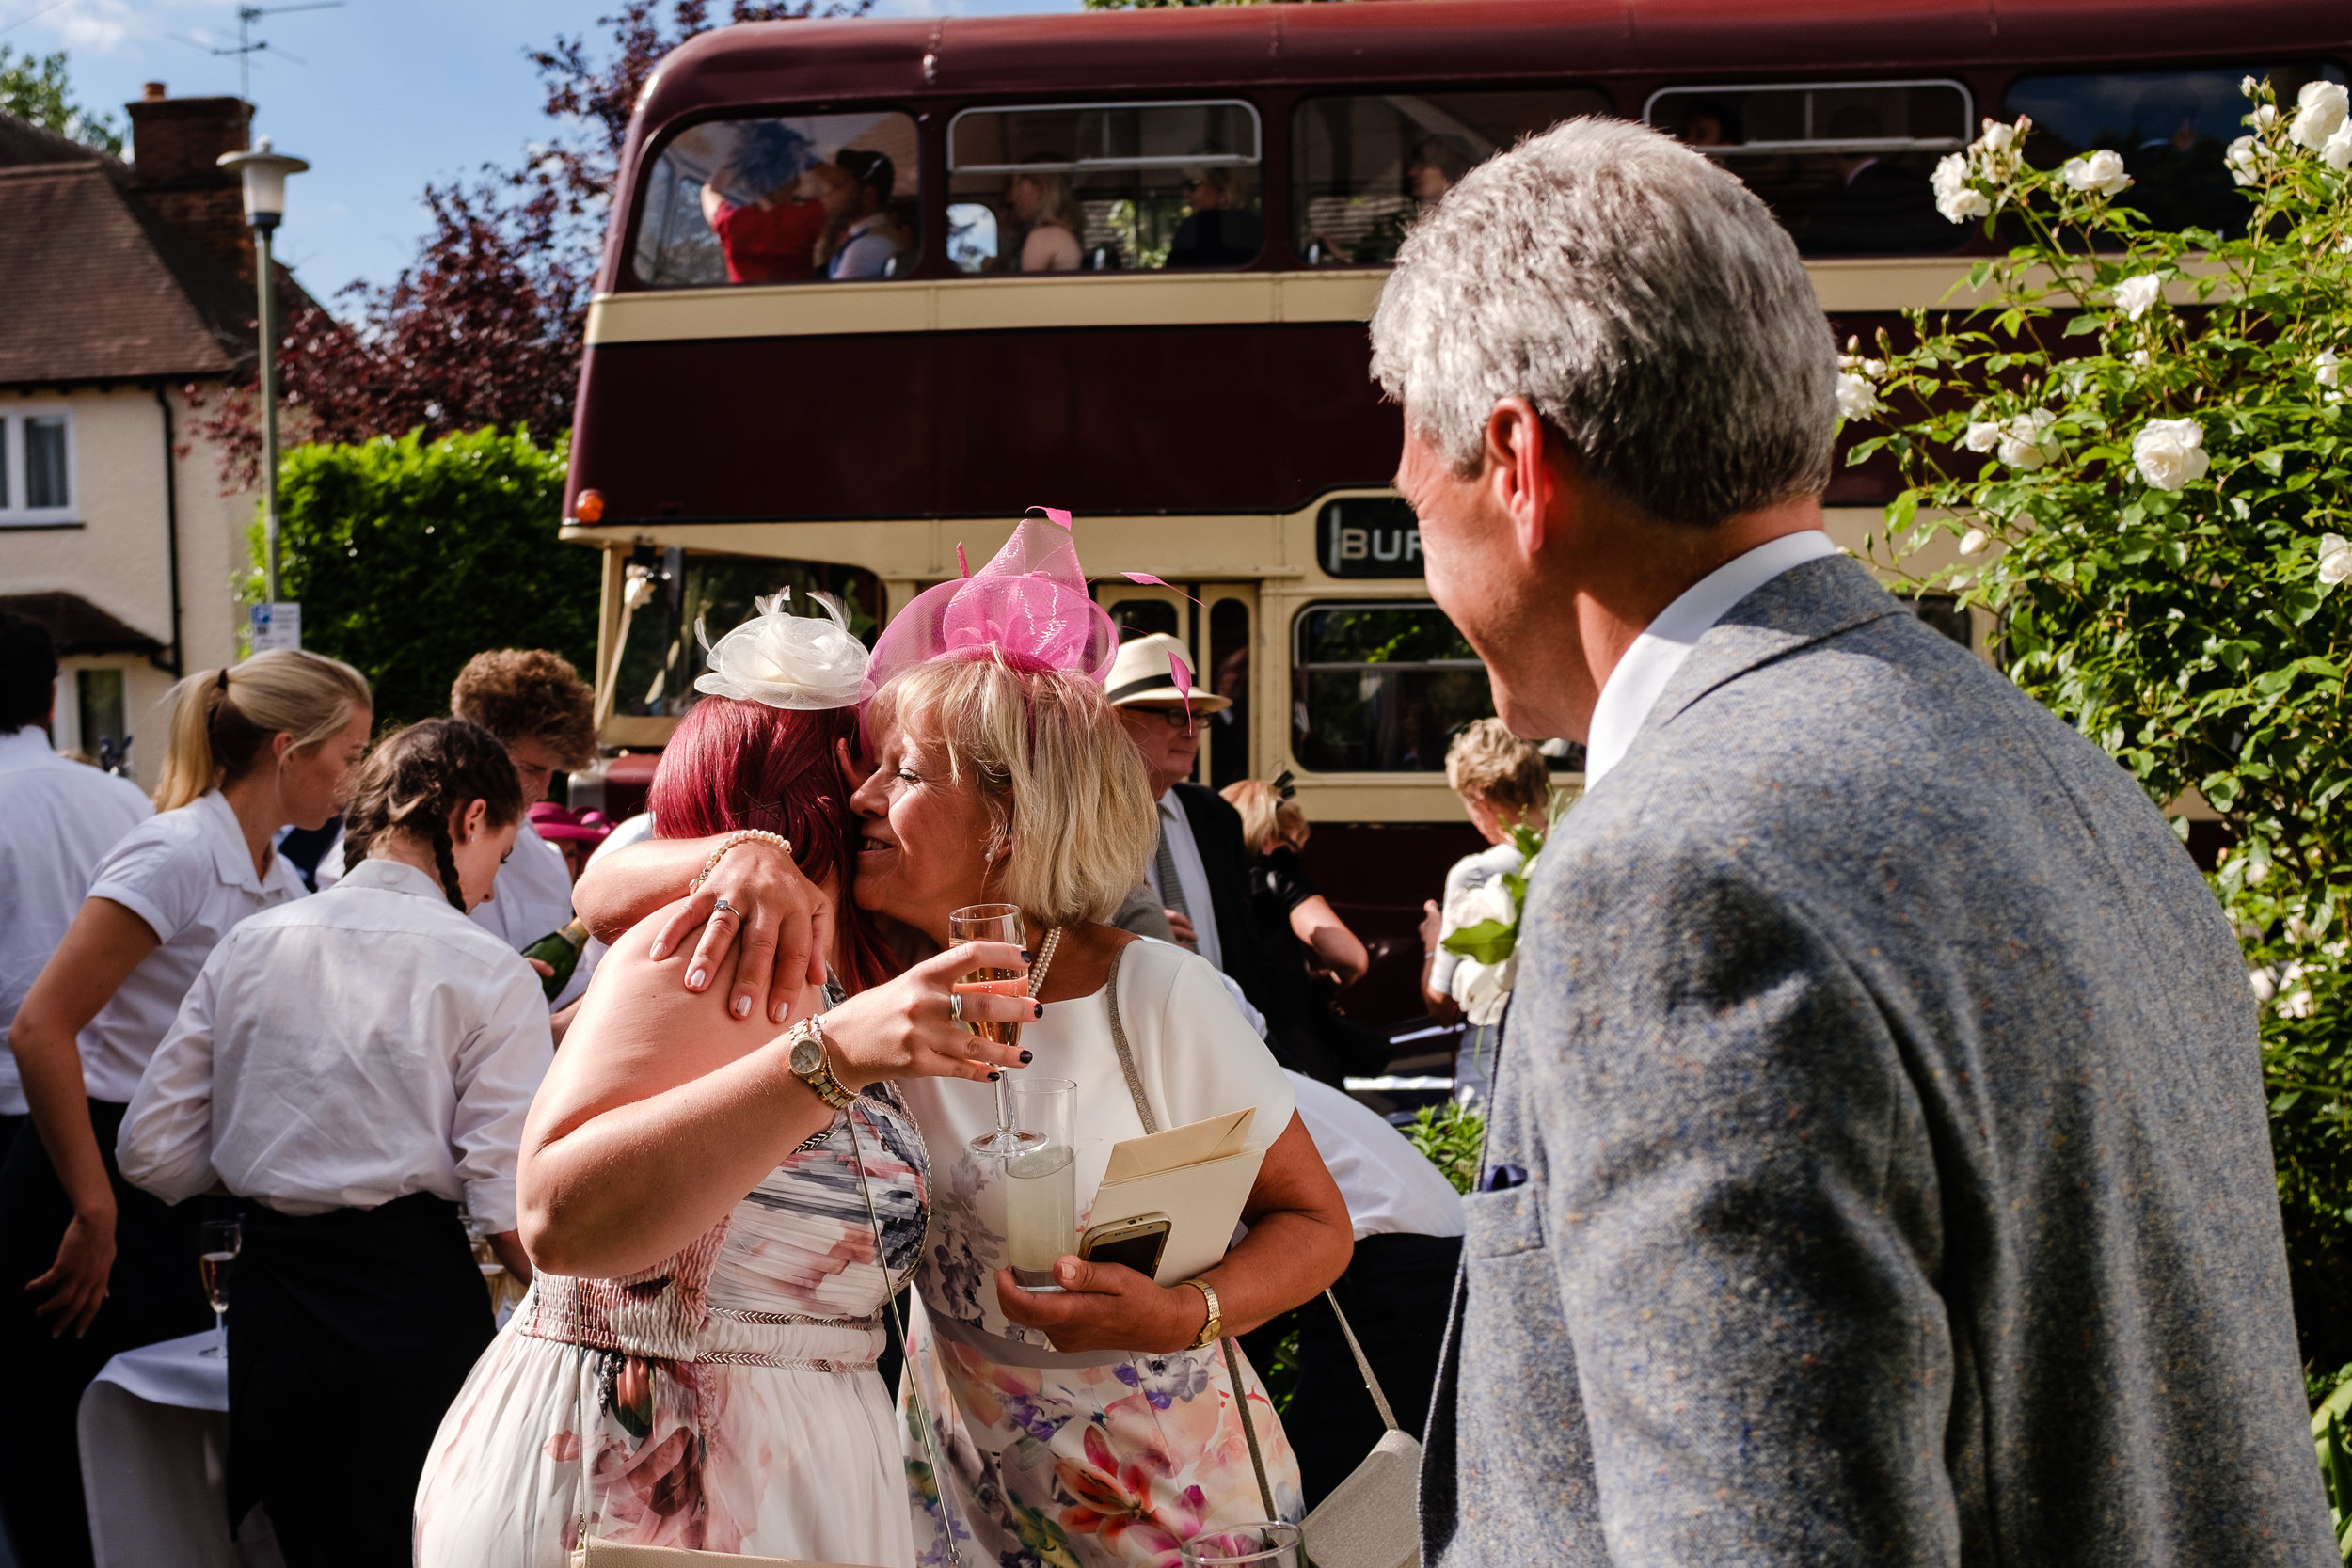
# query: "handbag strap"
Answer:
x=1150 y=1125
x=1363 y=1365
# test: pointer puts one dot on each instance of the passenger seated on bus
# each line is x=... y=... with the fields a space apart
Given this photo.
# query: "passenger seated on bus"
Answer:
x=1220 y=230
x=769 y=225
x=1712 y=123
x=1876 y=206
x=1437 y=166
x=1043 y=203
x=868 y=236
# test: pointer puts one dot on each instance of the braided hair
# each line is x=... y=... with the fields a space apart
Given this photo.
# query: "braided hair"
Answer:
x=417 y=778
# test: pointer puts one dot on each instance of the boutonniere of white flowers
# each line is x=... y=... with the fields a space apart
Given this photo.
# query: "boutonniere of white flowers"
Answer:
x=1483 y=932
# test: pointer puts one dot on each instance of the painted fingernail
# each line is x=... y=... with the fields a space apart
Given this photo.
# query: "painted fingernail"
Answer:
x=1041 y=1009
x=696 y=980
x=994 y=1076
x=1027 y=1058
x=742 y=1006
x=1024 y=956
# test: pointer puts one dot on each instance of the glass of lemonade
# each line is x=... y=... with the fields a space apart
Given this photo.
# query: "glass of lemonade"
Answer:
x=1042 y=1184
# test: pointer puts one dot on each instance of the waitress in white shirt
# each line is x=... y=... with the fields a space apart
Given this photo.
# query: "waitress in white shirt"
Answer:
x=356 y=1066
x=90 y=1266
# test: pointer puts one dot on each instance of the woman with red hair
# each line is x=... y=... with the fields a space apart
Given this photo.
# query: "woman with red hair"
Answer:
x=718 y=1214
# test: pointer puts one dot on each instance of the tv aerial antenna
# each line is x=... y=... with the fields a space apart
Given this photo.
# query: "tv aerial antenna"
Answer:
x=248 y=46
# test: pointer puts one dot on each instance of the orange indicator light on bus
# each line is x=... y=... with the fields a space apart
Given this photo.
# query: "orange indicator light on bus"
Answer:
x=589 y=508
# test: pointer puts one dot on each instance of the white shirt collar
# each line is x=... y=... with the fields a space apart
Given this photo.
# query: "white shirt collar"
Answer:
x=232 y=858
x=26 y=748
x=394 y=877
x=1640 y=676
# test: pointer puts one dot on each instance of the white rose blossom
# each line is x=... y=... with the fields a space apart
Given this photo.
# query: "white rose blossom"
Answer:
x=2337 y=153
x=1856 y=398
x=2335 y=559
x=2096 y=173
x=2248 y=86
x=2170 y=452
x=1485 y=990
x=1983 y=435
x=2135 y=295
x=1954 y=196
x=2321 y=109
x=2027 y=443
x=1972 y=541
x=2244 y=160
x=2326 y=368
x=2265 y=119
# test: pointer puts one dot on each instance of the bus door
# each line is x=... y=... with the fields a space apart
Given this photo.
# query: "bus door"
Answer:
x=1217 y=623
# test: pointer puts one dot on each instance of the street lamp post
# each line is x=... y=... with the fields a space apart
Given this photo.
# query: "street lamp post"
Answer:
x=264 y=173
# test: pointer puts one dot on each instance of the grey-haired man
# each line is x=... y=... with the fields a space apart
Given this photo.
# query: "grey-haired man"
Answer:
x=1878 y=1170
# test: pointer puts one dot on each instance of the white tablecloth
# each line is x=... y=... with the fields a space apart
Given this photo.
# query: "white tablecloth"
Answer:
x=154 y=1438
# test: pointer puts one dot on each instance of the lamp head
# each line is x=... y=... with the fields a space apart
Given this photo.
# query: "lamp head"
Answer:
x=264 y=173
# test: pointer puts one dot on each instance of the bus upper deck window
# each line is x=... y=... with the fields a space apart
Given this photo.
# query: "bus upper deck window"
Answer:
x=1380 y=687
x=1106 y=187
x=1364 y=167
x=782 y=199
x=1843 y=164
x=2170 y=126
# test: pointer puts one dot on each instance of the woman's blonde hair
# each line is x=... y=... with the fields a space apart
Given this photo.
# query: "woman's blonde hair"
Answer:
x=1489 y=761
x=1265 y=815
x=222 y=719
x=1057 y=205
x=1072 y=810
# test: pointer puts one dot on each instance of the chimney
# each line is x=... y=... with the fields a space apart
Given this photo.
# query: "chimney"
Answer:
x=176 y=143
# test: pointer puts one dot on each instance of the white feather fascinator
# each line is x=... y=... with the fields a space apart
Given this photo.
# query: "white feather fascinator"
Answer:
x=806 y=662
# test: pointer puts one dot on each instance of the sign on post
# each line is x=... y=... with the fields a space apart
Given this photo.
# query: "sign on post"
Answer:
x=277 y=626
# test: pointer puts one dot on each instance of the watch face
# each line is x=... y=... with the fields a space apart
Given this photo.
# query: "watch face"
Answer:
x=807 y=1055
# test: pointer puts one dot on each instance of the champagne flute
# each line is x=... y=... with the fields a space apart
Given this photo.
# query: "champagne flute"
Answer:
x=994 y=922
x=217 y=1244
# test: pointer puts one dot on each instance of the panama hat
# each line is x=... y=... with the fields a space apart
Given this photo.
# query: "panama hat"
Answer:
x=1142 y=673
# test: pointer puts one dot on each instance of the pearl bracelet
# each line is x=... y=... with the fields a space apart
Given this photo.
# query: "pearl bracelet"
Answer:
x=741 y=835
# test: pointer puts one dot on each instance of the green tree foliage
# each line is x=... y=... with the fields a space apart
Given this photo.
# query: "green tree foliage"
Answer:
x=2142 y=443
x=34 y=88
x=410 y=557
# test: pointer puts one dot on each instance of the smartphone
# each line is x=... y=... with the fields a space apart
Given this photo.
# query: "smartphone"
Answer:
x=1137 y=1243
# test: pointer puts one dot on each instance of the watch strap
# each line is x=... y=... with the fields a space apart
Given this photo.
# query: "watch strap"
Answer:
x=820 y=1079
x=1213 y=1329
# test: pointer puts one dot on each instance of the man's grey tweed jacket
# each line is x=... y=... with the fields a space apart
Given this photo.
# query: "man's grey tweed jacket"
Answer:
x=1897 y=1186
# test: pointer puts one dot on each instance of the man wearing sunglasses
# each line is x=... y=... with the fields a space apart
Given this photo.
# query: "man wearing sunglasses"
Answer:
x=1200 y=869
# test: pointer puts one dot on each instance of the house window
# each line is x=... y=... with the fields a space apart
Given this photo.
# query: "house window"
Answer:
x=36 y=467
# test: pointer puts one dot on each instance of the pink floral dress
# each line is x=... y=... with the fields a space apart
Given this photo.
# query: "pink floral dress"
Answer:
x=729 y=1395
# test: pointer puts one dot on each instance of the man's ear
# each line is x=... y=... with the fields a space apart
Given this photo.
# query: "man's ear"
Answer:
x=1521 y=468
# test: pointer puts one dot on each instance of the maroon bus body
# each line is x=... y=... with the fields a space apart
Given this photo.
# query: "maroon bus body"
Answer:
x=1214 y=418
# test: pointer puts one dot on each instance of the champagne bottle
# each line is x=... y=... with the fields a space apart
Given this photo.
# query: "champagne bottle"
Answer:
x=559 y=951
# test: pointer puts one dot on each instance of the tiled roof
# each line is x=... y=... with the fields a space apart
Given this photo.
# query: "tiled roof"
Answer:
x=93 y=285
x=79 y=626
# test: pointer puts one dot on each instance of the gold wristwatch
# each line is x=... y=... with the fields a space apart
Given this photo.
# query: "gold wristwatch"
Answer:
x=1215 y=1328
x=808 y=1063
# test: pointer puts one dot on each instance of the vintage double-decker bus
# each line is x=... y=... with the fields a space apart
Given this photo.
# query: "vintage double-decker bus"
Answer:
x=873 y=288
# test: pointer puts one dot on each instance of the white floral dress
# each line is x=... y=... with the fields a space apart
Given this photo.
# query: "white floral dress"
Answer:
x=730 y=1397
x=1064 y=1460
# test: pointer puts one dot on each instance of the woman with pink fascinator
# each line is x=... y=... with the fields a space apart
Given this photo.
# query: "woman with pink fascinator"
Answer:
x=1093 y=1420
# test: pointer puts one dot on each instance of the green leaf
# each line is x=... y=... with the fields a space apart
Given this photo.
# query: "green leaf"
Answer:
x=1489 y=942
x=2083 y=326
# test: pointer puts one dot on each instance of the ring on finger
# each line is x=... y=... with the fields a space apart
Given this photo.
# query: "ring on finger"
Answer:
x=722 y=906
x=955 y=1007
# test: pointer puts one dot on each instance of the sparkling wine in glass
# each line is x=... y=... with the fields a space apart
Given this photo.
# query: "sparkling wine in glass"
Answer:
x=219 y=1242
x=994 y=922
x=1042 y=1184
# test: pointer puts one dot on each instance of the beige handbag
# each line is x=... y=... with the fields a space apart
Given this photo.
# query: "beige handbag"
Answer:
x=593 y=1553
x=1373 y=1518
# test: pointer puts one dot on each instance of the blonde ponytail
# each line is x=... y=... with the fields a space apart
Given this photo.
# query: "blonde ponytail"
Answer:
x=222 y=719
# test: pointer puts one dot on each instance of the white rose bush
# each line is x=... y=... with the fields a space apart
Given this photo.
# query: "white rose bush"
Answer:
x=2139 y=442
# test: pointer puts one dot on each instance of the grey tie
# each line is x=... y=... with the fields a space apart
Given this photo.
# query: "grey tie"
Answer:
x=1164 y=862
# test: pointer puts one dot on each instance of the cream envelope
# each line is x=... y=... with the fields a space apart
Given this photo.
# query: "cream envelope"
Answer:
x=1200 y=1176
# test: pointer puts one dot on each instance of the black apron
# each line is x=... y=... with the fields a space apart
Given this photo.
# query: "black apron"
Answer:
x=349 y=1333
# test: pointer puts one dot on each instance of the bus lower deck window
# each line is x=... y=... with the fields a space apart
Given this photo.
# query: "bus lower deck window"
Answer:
x=782 y=199
x=2171 y=127
x=1366 y=165
x=1104 y=188
x=1381 y=687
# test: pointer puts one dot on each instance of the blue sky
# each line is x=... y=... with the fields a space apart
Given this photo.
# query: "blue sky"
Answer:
x=393 y=93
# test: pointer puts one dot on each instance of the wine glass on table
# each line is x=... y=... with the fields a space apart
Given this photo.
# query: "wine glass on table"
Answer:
x=217 y=1244
x=994 y=922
